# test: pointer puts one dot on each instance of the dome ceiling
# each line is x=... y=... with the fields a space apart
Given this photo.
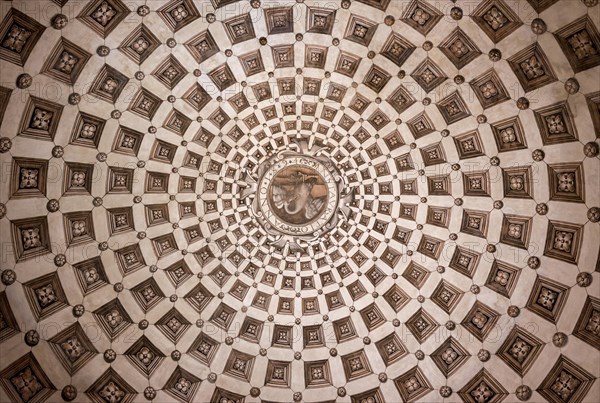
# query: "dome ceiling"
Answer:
x=356 y=201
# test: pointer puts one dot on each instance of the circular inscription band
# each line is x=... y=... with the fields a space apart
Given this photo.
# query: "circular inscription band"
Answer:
x=297 y=195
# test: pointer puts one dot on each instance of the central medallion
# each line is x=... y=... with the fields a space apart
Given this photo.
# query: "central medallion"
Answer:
x=297 y=195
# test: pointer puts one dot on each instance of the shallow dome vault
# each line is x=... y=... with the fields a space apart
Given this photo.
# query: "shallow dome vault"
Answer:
x=441 y=156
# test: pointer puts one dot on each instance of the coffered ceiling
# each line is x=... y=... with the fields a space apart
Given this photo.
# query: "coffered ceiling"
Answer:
x=448 y=151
